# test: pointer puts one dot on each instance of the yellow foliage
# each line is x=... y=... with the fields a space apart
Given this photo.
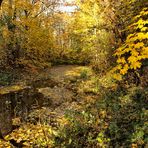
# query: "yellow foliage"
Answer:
x=131 y=54
x=32 y=32
x=121 y=60
x=124 y=70
x=117 y=77
x=39 y=135
x=6 y=144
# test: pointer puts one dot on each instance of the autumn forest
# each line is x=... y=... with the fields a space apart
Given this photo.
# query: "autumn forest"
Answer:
x=73 y=73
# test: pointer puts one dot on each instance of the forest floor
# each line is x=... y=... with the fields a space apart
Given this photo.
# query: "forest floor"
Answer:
x=72 y=87
x=64 y=88
x=71 y=104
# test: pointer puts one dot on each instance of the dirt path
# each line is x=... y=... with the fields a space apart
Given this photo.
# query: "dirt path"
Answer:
x=59 y=88
x=67 y=72
x=62 y=89
x=66 y=93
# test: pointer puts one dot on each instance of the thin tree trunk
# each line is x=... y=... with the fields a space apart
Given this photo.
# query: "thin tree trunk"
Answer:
x=1 y=2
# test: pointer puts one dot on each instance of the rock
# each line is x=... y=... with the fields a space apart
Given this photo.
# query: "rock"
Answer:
x=57 y=95
x=5 y=115
x=16 y=101
x=10 y=97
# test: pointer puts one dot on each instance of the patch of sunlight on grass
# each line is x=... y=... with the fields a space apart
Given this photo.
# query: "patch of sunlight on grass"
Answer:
x=89 y=86
x=79 y=71
x=6 y=90
x=107 y=81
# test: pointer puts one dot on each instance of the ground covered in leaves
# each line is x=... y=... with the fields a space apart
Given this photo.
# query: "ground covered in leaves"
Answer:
x=83 y=110
x=72 y=87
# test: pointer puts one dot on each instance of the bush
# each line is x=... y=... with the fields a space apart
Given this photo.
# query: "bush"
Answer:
x=84 y=128
x=118 y=119
x=128 y=111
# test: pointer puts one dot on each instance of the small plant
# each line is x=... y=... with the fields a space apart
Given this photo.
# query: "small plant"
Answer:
x=84 y=74
x=102 y=140
x=5 y=78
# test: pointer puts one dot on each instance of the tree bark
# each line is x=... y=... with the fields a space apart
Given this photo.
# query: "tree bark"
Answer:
x=1 y=2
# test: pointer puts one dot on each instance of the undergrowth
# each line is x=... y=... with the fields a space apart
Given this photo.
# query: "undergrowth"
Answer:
x=118 y=119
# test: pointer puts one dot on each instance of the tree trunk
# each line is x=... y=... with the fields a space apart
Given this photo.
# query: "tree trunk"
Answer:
x=1 y=2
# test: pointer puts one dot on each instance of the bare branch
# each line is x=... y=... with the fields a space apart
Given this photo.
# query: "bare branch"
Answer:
x=51 y=4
